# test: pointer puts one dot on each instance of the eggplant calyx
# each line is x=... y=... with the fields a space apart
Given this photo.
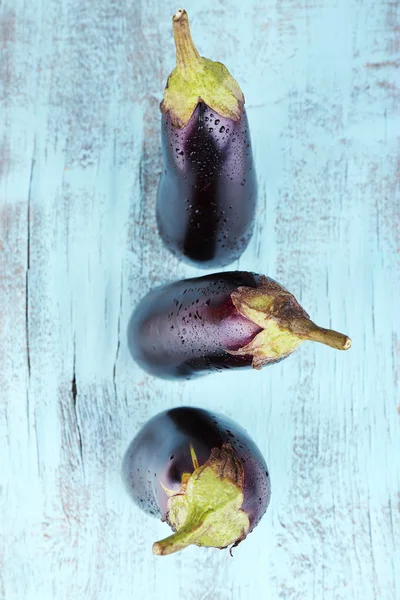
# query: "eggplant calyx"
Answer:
x=207 y=512
x=196 y=79
x=285 y=324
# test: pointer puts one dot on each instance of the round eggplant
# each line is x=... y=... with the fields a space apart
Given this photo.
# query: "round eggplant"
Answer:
x=220 y=321
x=207 y=193
x=200 y=472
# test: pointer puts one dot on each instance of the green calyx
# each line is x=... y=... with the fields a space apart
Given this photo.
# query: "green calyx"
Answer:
x=207 y=510
x=196 y=79
x=285 y=324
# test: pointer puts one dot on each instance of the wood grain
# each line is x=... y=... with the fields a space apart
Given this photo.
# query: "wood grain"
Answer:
x=80 y=84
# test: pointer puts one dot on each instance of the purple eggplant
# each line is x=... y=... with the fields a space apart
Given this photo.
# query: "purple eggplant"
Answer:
x=220 y=321
x=200 y=472
x=207 y=192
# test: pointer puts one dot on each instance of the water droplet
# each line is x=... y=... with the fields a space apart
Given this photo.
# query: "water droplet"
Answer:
x=222 y=129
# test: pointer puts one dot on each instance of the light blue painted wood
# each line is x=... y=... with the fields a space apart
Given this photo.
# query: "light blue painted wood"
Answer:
x=80 y=84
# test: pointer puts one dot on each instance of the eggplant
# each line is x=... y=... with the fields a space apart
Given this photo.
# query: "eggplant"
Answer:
x=207 y=192
x=200 y=472
x=221 y=321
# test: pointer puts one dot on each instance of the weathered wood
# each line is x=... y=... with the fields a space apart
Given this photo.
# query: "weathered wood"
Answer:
x=80 y=84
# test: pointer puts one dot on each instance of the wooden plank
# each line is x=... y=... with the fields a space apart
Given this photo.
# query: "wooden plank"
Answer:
x=80 y=160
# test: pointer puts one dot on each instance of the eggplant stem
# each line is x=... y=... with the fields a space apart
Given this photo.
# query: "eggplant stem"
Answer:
x=208 y=511
x=310 y=331
x=168 y=492
x=194 y=457
x=187 y=56
x=183 y=538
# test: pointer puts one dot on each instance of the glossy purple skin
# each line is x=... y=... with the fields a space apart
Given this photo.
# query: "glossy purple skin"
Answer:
x=161 y=452
x=207 y=193
x=183 y=329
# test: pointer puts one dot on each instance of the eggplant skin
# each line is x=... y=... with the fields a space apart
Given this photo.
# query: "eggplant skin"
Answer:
x=183 y=329
x=160 y=452
x=207 y=193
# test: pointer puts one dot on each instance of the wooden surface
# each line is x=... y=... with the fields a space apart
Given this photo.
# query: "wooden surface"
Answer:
x=80 y=84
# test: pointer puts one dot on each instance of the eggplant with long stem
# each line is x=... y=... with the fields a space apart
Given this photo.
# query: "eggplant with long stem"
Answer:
x=207 y=192
x=200 y=472
x=220 y=321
